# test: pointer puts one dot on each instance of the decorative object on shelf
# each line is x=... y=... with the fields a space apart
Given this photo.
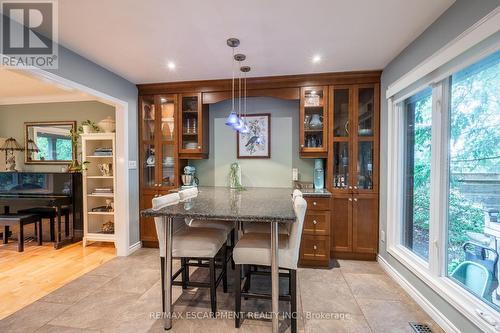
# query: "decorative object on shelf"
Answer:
x=168 y=161
x=319 y=174
x=102 y=191
x=103 y=151
x=10 y=146
x=235 y=177
x=88 y=126
x=102 y=209
x=108 y=227
x=189 y=177
x=257 y=142
x=106 y=169
x=365 y=132
x=312 y=99
x=316 y=122
x=31 y=148
x=107 y=125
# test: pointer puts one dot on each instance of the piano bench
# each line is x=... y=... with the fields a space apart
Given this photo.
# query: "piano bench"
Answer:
x=51 y=214
x=20 y=220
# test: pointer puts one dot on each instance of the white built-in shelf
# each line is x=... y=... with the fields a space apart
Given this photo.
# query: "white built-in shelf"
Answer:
x=93 y=221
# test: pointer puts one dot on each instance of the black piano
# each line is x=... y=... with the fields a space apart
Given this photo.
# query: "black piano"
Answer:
x=21 y=190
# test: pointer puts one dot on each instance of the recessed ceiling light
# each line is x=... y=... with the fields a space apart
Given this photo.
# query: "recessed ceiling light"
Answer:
x=316 y=59
x=171 y=65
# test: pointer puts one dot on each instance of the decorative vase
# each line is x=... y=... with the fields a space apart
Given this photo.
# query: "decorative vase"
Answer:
x=107 y=125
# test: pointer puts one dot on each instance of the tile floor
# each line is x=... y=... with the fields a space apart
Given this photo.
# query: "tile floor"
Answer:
x=124 y=294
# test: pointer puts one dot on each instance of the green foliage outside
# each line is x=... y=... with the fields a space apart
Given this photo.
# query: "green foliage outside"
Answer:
x=474 y=149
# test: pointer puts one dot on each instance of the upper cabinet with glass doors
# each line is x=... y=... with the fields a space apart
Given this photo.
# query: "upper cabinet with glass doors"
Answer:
x=313 y=121
x=354 y=119
x=193 y=127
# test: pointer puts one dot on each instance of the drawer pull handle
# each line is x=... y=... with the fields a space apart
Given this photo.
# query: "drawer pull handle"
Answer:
x=350 y=187
x=315 y=247
x=315 y=222
x=356 y=199
x=314 y=203
x=350 y=199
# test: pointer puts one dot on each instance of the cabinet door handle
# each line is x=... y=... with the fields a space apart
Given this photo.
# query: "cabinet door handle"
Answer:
x=350 y=199
x=199 y=147
x=350 y=187
x=356 y=199
x=355 y=187
x=314 y=203
x=301 y=146
x=315 y=222
x=315 y=247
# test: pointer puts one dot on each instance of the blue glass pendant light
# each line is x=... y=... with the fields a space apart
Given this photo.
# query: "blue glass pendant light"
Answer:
x=232 y=119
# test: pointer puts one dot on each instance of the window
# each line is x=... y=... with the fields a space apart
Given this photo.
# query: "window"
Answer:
x=444 y=183
x=474 y=179
x=418 y=126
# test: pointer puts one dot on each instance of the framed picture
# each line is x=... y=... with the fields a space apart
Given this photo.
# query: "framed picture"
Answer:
x=257 y=142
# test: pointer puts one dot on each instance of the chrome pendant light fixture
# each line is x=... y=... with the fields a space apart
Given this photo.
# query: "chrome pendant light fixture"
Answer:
x=235 y=119
x=232 y=119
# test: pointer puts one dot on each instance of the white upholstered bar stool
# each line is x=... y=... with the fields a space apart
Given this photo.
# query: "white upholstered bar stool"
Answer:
x=200 y=244
x=255 y=249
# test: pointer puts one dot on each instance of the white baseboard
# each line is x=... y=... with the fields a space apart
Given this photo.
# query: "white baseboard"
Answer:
x=134 y=247
x=424 y=303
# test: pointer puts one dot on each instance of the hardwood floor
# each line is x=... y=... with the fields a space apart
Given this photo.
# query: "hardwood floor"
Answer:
x=30 y=275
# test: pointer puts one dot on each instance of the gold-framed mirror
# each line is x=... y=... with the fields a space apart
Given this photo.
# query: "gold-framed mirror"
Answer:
x=49 y=142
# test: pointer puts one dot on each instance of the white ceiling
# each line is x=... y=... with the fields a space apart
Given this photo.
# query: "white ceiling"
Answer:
x=19 y=87
x=136 y=39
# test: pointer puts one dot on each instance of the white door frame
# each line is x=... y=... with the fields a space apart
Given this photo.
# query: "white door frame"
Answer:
x=122 y=214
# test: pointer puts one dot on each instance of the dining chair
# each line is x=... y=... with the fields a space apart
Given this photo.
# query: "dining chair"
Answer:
x=255 y=249
x=206 y=246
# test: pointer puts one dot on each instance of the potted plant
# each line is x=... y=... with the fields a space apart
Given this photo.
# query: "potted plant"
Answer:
x=88 y=126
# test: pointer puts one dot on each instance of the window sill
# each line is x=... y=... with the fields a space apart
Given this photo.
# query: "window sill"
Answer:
x=460 y=299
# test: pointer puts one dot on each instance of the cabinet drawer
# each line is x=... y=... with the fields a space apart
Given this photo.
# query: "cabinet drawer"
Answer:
x=317 y=223
x=315 y=248
x=318 y=203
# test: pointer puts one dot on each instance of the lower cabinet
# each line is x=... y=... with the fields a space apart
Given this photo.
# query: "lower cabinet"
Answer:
x=315 y=245
x=355 y=226
x=147 y=224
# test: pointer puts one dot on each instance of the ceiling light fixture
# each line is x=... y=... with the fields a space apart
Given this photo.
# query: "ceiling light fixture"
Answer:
x=316 y=59
x=245 y=70
x=232 y=119
x=171 y=65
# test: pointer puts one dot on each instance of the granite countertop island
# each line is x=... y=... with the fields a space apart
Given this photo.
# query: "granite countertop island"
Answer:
x=221 y=203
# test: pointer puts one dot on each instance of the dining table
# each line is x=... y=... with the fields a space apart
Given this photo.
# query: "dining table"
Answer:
x=263 y=205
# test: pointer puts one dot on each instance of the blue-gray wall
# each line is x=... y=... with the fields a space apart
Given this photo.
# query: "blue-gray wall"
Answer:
x=78 y=69
x=458 y=18
x=273 y=172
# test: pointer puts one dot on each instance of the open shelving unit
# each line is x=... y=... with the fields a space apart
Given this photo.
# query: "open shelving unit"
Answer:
x=94 y=221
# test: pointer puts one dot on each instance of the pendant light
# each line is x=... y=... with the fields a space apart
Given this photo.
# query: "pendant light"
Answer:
x=245 y=70
x=240 y=124
x=232 y=119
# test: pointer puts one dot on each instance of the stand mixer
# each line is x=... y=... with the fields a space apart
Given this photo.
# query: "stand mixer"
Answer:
x=189 y=177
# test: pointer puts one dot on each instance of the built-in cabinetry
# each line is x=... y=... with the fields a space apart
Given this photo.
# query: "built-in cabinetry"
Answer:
x=193 y=127
x=338 y=121
x=315 y=243
x=313 y=136
x=159 y=158
x=353 y=160
x=99 y=183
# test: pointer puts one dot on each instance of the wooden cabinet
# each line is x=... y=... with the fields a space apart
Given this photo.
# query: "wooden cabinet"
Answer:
x=159 y=162
x=313 y=122
x=353 y=160
x=315 y=244
x=193 y=127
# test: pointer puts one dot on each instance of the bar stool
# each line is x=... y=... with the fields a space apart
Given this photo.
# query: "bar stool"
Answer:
x=255 y=249
x=199 y=244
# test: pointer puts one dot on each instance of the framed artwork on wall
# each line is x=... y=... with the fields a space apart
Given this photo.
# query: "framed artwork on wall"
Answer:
x=257 y=142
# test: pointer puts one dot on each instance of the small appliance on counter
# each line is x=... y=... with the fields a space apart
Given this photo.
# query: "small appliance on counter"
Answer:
x=189 y=177
x=319 y=174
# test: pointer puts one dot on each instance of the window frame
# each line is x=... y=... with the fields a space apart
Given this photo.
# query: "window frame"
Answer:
x=433 y=272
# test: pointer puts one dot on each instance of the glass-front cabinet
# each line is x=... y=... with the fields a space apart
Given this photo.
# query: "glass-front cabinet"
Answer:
x=354 y=126
x=158 y=161
x=193 y=127
x=313 y=121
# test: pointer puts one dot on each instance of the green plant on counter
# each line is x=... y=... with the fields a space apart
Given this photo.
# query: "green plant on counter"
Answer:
x=235 y=177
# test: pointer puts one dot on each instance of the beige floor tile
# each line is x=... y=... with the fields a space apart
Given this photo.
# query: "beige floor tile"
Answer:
x=62 y=329
x=31 y=317
x=77 y=289
x=349 y=324
x=385 y=316
x=375 y=286
x=360 y=267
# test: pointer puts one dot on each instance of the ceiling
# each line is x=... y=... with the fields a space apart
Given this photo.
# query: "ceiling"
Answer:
x=19 y=87
x=136 y=39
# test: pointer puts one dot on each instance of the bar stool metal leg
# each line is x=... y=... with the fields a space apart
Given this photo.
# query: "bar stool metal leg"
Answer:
x=237 y=296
